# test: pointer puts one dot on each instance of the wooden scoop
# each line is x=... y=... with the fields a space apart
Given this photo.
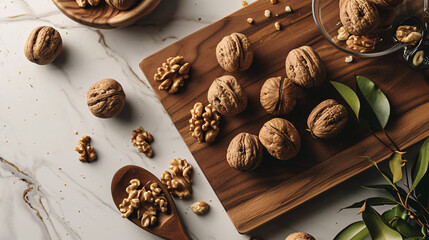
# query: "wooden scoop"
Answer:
x=168 y=224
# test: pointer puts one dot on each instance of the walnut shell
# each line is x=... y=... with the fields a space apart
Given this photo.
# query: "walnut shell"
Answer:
x=305 y=68
x=300 y=236
x=327 y=119
x=278 y=96
x=245 y=152
x=43 y=45
x=227 y=96
x=360 y=17
x=234 y=52
x=106 y=98
x=280 y=138
x=122 y=4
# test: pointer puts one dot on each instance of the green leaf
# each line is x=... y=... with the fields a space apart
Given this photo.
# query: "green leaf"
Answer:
x=354 y=231
x=396 y=212
x=396 y=163
x=422 y=164
x=406 y=229
x=374 y=201
x=383 y=174
x=377 y=226
x=375 y=98
x=349 y=95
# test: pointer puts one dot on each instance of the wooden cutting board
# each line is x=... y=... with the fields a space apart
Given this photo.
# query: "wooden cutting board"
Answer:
x=254 y=198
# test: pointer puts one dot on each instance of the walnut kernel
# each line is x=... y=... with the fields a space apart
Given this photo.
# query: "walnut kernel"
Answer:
x=343 y=34
x=418 y=58
x=172 y=74
x=200 y=207
x=84 y=3
x=86 y=152
x=362 y=43
x=178 y=178
x=141 y=139
x=204 y=122
x=408 y=34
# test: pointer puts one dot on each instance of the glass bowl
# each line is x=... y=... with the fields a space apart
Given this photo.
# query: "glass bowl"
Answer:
x=326 y=14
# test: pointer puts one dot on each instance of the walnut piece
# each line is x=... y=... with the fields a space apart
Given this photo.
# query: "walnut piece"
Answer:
x=85 y=3
x=343 y=34
x=141 y=139
x=122 y=4
x=106 y=98
x=204 y=123
x=300 y=236
x=178 y=178
x=408 y=34
x=86 y=152
x=172 y=74
x=234 y=52
x=327 y=119
x=200 y=207
x=43 y=45
x=418 y=58
x=147 y=202
x=362 y=43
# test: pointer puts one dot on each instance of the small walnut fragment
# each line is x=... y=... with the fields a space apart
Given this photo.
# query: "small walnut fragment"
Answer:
x=178 y=178
x=362 y=43
x=86 y=152
x=141 y=139
x=147 y=201
x=200 y=207
x=408 y=34
x=343 y=35
x=172 y=74
x=85 y=3
x=204 y=123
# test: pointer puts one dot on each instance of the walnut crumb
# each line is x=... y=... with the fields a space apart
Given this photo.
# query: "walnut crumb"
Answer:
x=349 y=59
x=277 y=26
x=250 y=20
x=244 y=3
x=267 y=13
x=274 y=1
x=288 y=9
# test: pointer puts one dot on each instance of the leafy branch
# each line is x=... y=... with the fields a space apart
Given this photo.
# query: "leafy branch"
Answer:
x=408 y=219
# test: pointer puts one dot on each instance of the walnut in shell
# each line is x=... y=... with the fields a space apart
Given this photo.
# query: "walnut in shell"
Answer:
x=43 y=45
x=327 y=119
x=106 y=98
x=227 y=96
x=280 y=138
x=305 y=68
x=122 y=4
x=300 y=236
x=360 y=17
x=178 y=178
x=278 y=96
x=245 y=152
x=234 y=53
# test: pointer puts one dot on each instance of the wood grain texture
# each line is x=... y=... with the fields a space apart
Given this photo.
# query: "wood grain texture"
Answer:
x=254 y=198
x=105 y=16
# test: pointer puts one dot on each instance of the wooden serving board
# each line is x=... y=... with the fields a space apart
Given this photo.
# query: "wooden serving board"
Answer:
x=254 y=198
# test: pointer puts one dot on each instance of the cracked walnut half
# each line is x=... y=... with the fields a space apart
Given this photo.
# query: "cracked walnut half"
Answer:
x=86 y=152
x=141 y=139
x=204 y=123
x=178 y=178
x=172 y=74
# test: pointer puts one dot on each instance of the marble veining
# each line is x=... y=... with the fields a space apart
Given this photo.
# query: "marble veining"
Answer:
x=46 y=193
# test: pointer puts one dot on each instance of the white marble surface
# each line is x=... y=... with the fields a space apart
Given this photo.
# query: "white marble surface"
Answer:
x=42 y=106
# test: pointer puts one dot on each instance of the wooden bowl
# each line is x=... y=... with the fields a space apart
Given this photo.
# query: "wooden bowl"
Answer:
x=105 y=16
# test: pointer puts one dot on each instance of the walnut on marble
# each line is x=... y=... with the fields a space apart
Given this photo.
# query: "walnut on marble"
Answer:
x=200 y=207
x=172 y=74
x=178 y=178
x=43 y=45
x=204 y=122
x=85 y=150
x=142 y=139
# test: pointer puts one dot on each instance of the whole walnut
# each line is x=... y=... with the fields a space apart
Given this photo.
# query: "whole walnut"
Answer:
x=227 y=96
x=280 y=138
x=245 y=152
x=360 y=17
x=106 y=98
x=234 y=52
x=278 y=96
x=300 y=236
x=43 y=45
x=122 y=4
x=305 y=68
x=327 y=119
